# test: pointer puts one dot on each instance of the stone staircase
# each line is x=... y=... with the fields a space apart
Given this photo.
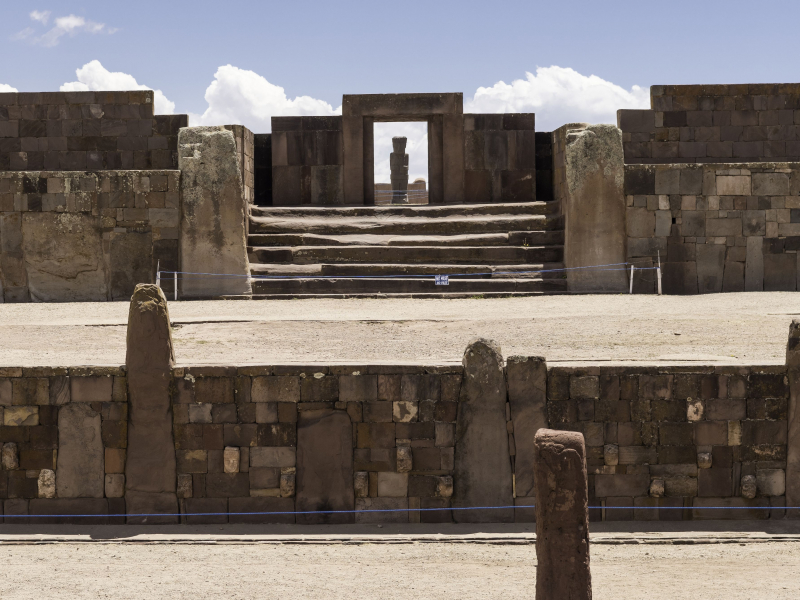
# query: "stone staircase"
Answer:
x=488 y=249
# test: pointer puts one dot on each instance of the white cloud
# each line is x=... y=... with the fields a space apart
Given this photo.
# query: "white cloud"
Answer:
x=416 y=148
x=559 y=96
x=5 y=88
x=93 y=76
x=69 y=25
x=40 y=15
x=237 y=96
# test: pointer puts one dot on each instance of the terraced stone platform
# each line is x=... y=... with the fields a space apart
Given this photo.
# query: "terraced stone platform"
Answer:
x=494 y=249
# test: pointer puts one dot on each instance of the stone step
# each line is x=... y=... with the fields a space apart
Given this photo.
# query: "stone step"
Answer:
x=431 y=211
x=528 y=271
x=513 y=238
x=405 y=225
x=347 y=285
x=407 y=254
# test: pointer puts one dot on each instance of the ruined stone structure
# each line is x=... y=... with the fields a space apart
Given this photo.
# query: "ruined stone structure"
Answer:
x=155 y=438
x=398 y=163
x=705 y=183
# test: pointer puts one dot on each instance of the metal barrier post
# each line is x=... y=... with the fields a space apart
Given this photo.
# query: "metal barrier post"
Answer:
x=632 y=267
x=158 y=274
x=175 y=280
x=658 y=273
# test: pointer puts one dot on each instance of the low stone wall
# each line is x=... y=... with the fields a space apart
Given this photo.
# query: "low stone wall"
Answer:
x=85 y=236
x=236 y=437
x=64 y=435
x=280 y=439
x=717 y=227
x=677 y=437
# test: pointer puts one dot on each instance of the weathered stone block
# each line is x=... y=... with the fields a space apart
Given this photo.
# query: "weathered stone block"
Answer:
x=482 y=474
x=771 y=482
x=272 y=456
x=80 y=455
x=325 y=465
x=714 y=482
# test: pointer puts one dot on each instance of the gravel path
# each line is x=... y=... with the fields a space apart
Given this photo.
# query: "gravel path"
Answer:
x=723 y=328
x=399 y=571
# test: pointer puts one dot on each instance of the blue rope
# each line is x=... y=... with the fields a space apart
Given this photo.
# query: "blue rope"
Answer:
x=391 y=510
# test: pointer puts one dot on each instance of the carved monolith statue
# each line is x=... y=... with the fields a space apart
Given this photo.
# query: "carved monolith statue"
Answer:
x=562 y=516
x=398 y=162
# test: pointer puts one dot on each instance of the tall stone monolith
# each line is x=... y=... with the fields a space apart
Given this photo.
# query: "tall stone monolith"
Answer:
x=594 y=210
x=150 y=478
x=398 y=163
x=793 y=437
x=214 y=215
x=482 y=475
x=562 y=516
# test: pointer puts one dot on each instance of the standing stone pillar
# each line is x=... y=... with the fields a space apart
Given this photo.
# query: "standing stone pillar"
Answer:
x=482 y=475
x=793 y=437
x=562 y=516
x=527 y=398
x=594 y=210
x=214 y=214
x=398 y=162
x=150 y=478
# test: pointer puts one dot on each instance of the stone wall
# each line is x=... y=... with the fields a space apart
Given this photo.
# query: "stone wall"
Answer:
x=245 y=148
x=64 y=434
x=80 y=131
x=236 y=439
x=717 y=227
x=89 y=236
x=680 y=438
x=714 y=124
x=307 y=161
x=254 y=438
x=499 y=158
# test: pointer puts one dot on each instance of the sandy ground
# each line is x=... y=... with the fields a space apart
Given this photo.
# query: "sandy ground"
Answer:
x=409 y=570
x=722 y=328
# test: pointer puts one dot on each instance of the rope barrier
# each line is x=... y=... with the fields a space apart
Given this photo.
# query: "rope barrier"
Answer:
x=392 y=510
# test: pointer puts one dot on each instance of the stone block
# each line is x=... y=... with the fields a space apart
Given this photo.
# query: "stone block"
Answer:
x=725 y=409
x=81 y=454
x=214 y=390
x=205 y=511
x=445 y=434
x=381 y=510
x=20 y=416
x=711 y=433
x=227 y=485
x=213 y=202
x=710 y=267
x=621 y=485
x=358 y=388
x=679 y=277
x=392 y=485
x=63 y=509
x=780 y=272
x=771 y=184
x=733 y=277
x=584 y=387
x=763 y=432
x=404 y=411
x=771 y=482
x=637 y=455
x=261 y=510
x=640 y=222
x=272 y=456
x=375 y=435
x=720 y=508
x=482 y=474
x=114 y=485
x=668 y=181
x=267 y=412
x=733 y=185
x=325 y=465
x=680 y=486
x=714 y=482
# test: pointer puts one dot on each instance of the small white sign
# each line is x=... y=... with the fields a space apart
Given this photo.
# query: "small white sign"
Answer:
x=442 y=279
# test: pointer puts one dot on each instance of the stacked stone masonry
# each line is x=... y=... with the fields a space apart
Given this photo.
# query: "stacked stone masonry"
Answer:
x=662 y=443
x=86 y=236
x=80 y=131
x=236 y=432
x=713 y=124
x=716 y=227
x=64 y=434
x=677 y=439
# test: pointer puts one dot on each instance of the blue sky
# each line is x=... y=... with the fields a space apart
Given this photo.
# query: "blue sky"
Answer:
x=321 y=50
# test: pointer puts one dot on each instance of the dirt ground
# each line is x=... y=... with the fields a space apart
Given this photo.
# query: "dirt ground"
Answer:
x=717 y=328
x=400 y=571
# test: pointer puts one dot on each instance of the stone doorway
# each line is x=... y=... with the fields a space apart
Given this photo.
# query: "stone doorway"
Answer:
x=412 y=188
